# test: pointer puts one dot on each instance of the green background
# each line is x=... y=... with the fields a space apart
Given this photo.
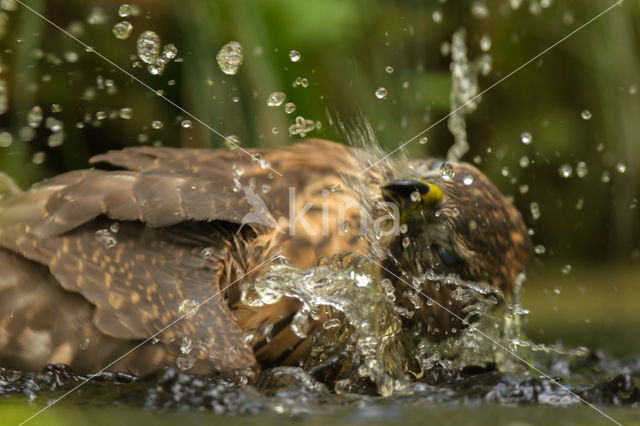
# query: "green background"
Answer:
x=346 y=45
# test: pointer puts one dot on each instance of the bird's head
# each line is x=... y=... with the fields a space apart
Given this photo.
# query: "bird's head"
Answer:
x=456 y=221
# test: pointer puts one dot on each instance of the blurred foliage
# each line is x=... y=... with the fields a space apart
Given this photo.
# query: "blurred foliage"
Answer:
x=346 y=47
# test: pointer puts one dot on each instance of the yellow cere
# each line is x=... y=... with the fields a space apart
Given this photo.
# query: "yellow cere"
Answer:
x=433 y=197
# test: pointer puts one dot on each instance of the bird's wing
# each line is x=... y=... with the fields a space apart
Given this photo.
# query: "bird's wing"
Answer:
x=141 y=280
x=138 y=284
x=165 y=186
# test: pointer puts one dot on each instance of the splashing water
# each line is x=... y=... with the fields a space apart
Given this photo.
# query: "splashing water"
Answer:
x=347 y=313
x=464 y=89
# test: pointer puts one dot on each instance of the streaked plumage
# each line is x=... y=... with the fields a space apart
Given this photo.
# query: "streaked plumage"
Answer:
x=94 y=261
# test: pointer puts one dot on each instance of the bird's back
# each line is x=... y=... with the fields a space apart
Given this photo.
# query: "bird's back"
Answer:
x=96 y=261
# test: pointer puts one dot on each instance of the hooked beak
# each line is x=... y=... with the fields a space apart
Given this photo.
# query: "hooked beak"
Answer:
x=407 y=192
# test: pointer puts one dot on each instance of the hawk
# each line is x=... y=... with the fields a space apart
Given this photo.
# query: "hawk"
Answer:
x=96 y=261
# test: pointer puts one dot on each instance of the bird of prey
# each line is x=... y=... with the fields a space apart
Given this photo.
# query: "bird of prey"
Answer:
x=95 y=261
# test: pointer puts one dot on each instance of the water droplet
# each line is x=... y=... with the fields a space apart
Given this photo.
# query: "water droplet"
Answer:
x=186 y=124
x=249 y=338
x=38 y=158
x=71 y=57
x=586 y=114
x=566 y=269
x=485 y=43
x=539 y=249
x=301 y=126
x=381 y=93
x=300 y=324
x=535 y=210
x=479 y=9
x=56 y=108
x=294 y=56
x=55 y=139
x=26 y=134
x=289 y=107
x=605 y=176
x=526 y=138
x=423 y=140
x=84 y=344
x=581 y=169
x=467 y=180
x=187 y=345
x=331 y=323
x=436 y=16
x=5 y=139
x=406 y=242
x=565 y=171
x=447 y=172
x=97 y=16
x=580 y=203
x=621 y=168
x=125 y=113
x=169 y=52
x=275 y=130
x=276 y=99
x=9 y=5
x=148 y=46
x=535 y=8
x=230 y=57
x=568 y=18
x=415 y=196
x=128 y=10
x=206 y=253
x=34 y=117
x=388 y=69
x=185 y=363
x=232 y=142
x=188 y=308
x=157 y=124
x=4 y=97
x=504 y=171
x=445 y=48
x=106 y=238
x=155 y=70
x=122 y=30
x=524 y=161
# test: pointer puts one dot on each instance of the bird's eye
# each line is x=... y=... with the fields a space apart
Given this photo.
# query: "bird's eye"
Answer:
x=447 y=257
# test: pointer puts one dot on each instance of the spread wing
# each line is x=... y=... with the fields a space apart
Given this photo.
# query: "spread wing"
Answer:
x=165 y=186
x=168 y=205
x=141 y=280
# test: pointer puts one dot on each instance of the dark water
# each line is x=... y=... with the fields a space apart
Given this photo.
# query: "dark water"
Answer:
x=477 y=394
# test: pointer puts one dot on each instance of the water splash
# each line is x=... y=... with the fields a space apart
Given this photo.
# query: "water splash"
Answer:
x=464 y=90
x=148 y=49
x=346 y=311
